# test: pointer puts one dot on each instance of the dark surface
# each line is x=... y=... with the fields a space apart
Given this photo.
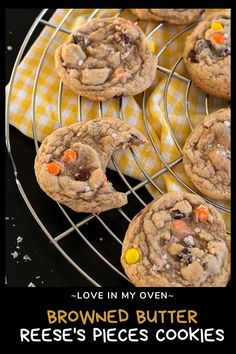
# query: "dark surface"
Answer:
x=46 y=261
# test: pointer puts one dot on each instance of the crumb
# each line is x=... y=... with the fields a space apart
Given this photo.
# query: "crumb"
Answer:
x=37 y=277
x=15 y=254
x=19 y=239
x=27 y=258
x=7 y=218
x=101 y=239
x=31 y=285
x=9 y=48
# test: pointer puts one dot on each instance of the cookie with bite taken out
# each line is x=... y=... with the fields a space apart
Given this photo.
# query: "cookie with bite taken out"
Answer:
x=71 y=162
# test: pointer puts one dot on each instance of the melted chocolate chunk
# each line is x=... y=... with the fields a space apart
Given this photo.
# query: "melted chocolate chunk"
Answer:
x=81 y=39
x=124 y=38
x=82 y=175
x=192 y=56
x=176 y=214
x=202 y=44
x=185 y=256
x=225 y=52
x=135 y=139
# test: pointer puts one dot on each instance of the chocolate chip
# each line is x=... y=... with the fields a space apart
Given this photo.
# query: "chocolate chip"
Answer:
x=82 y=175
x=124 y=38
x=192 y=56
x=176 y=214
x=225 y=52
x=81 y=39
x=202 y=44
x=135 y=139
x=185 y=256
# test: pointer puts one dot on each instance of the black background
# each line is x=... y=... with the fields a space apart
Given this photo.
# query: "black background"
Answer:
x=27 y=307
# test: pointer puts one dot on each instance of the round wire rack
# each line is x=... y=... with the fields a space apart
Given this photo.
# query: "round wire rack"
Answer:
x=103 y=222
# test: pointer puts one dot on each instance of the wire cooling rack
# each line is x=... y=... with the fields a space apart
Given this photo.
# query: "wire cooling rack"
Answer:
x=103 y=223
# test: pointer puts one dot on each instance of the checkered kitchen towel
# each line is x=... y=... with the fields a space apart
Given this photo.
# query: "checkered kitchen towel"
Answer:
x=46 y=101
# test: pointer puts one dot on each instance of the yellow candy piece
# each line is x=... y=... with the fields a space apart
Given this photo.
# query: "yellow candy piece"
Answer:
x=132 y=256
x=216 y=26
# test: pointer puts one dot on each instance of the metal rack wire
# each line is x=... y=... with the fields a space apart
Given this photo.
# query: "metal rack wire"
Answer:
x=123 y=216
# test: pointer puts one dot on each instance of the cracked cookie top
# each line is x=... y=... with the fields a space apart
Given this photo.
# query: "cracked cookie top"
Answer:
x=105 y=58
x=177 y=240
x=174 y=16
x=70 y=163
x=207 y=155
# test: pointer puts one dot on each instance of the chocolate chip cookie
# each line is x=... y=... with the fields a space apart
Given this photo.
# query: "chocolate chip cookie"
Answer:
x=70 y=163
x=174 y=16
x=106 y=57
x=207 y=155
x=177 y=240
x=207 y=55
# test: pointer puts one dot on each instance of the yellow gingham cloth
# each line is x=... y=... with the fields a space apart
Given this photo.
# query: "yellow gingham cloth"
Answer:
x=46 y=101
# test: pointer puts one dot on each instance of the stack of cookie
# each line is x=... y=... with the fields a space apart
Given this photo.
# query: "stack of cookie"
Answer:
x=178 y=239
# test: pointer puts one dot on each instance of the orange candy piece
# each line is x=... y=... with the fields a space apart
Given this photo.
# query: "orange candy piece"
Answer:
x=218 y=38
x=202 y=213
x=69 y=155
x=120 y=72
x=180 y=228
x=53 y=168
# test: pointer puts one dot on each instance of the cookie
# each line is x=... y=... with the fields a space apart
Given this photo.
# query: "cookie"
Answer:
x=207 y=155
x=174 y=16
x=177 y=240
x=207 y=55
x=70 y=163
x=105 y=58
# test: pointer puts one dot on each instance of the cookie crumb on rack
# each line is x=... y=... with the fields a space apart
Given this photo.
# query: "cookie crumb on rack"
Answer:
x=15 y=254
x=31 y=285
x=27 y=258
